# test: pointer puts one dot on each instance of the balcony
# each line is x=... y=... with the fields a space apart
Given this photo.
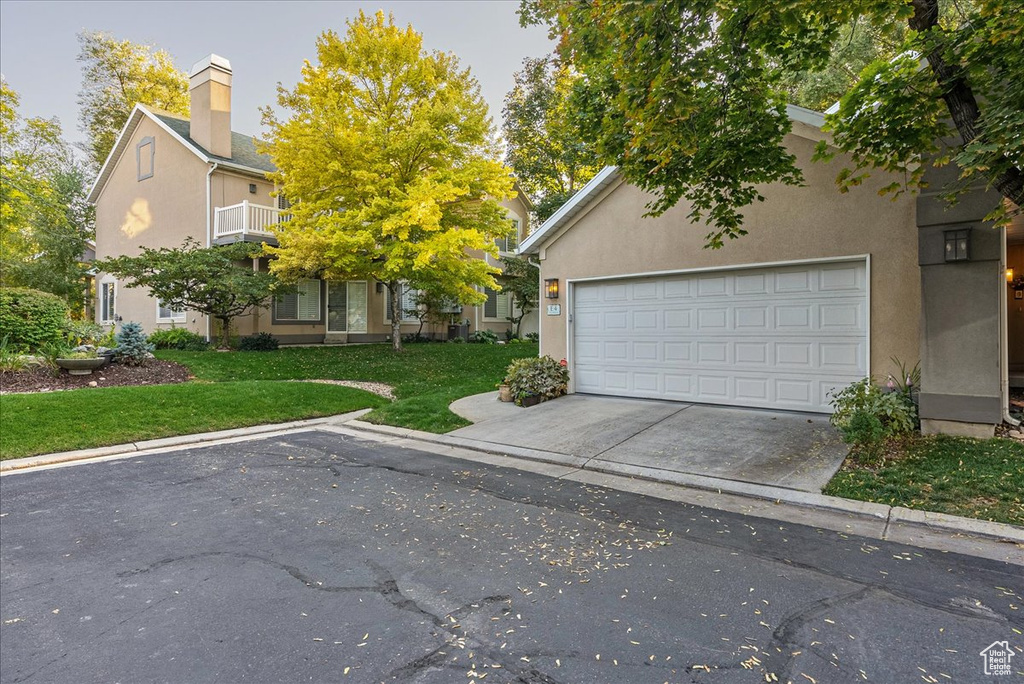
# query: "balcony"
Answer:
x=246 y=222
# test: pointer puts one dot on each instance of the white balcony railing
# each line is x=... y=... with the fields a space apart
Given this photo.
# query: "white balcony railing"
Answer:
x=246 y=219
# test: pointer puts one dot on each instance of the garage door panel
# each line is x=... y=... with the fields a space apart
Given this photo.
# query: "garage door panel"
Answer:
x=762 y=337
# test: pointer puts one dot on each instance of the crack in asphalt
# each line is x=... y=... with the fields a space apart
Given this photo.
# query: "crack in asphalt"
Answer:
x=386 y=586
x=786 y=636
x=609 y=515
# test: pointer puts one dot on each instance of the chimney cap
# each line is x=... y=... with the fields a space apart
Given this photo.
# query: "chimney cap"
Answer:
x=211 y=60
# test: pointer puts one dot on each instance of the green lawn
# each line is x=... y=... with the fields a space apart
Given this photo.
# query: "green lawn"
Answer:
x=956 y=475
x=235 y=389
x=79 y=419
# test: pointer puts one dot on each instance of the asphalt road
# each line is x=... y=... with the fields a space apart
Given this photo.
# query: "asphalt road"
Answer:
x=318 y=557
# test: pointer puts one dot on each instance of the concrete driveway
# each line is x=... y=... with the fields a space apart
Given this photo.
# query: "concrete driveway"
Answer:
x=784 y=449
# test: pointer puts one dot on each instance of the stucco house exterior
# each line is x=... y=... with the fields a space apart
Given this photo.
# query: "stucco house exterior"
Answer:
x=826 y=289
x=169 y=178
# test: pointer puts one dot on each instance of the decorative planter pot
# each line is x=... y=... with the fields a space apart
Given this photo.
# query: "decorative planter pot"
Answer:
x=81 y=366
x=504 y=393
x=530 y=401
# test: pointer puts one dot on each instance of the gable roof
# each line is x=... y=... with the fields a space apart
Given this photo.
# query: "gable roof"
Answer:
x=244 y=157
x=812 y=122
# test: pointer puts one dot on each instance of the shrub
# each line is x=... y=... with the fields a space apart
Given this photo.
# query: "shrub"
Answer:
x=484 y=337
x=132 y=347
x=12 y=360
x=178 y=338
x=30 y=318
x=536 y=377
x=261 y=341
x=532 y=337
x=865 y=414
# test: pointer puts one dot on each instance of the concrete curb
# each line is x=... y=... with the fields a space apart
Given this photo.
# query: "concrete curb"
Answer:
x=165 y=442
x=892 y=515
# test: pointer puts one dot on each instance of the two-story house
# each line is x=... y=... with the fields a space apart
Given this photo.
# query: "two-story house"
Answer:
x=169 y=178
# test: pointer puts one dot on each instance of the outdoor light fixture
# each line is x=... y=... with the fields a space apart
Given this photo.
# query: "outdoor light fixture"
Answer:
x=1009 y=276
x=958 y=244
x=551 y=288
x=379 y=287
x=252 y=188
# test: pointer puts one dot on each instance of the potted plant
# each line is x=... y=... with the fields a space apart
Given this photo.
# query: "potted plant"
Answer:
x=533 y=380
x=81 y=362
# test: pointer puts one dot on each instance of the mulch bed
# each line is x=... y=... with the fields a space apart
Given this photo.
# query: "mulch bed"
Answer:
x=115 y=375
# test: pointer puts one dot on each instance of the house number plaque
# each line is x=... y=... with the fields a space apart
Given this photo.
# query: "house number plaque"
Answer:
x=554 y=309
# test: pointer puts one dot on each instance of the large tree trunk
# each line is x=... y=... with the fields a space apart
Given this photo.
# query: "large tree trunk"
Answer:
x=225 y=333
x=959 y=98
x=395 y=292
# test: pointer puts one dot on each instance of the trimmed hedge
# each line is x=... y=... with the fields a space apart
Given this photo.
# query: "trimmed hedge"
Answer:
x=30 y=319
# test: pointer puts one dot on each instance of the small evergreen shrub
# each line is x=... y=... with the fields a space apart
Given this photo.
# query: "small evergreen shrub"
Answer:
x=30 y=319
x=484 y=337
x=261 y=341
x=132 y=347
x=532 y=337
x=536 y=377
x=178 y=338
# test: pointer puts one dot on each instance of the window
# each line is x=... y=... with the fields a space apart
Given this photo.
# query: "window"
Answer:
x=346 y=306
x=497 y=305
x=303 y=305
x=509 y=243
x=407 y=300
x=107 y=298
x=144 y=157
x=166 y=314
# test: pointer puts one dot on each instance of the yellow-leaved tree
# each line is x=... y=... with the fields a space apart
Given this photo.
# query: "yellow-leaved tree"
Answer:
x=389 y=161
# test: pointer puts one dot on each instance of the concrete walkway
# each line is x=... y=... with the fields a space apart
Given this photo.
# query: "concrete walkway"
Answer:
x=776 y=448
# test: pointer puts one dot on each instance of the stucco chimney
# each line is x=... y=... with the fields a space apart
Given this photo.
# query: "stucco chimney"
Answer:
x=210 y=89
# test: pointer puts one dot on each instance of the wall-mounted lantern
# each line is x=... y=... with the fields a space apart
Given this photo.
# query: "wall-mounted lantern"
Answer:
x=252 y=188
x=958 y=245
x=551 y=288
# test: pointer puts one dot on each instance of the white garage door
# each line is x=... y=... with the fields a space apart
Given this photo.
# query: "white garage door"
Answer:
x=779 y=337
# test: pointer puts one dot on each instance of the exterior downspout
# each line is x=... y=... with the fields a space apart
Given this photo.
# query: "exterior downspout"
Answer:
x=1004 y=336
x=540 y=302
x=209 y=232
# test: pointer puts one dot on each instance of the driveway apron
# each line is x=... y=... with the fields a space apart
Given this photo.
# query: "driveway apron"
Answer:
x=779 y=448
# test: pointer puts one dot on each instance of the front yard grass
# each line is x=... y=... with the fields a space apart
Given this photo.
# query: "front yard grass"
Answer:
x=236 y=389
x=85 y=418
x=426 y=377
x=970 y=477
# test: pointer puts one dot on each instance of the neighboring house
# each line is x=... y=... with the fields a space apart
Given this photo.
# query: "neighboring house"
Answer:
x=169 y=178
x=825 y=289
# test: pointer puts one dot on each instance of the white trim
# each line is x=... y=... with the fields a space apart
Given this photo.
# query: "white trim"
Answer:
x=129 y=129
x=571 y=284
x=497 y=319
x=799 y=115
x=177 y=317
x=387 y=302
x=867 y=312
x=112 y=281
x=730 y=267
x=581 y=197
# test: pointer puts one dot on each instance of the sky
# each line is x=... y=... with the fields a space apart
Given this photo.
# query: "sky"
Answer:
x=265 y=41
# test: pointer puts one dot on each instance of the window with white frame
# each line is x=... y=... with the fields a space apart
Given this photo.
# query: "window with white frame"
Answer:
x=145 y=157
x=407 y=302
x=510 y=242
x=302 y=305
x=108 y=295
x=496 y=308
x=165 y=314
